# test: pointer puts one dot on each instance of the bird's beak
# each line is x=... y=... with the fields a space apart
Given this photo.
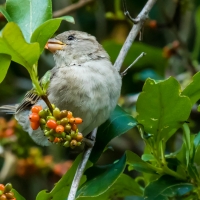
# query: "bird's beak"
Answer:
x=54 y=45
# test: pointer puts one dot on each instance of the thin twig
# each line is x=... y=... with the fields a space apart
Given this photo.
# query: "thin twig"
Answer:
x=126 y=13
x=133 y=33
x=71 y=8
x=81 y=168
x=138 y=58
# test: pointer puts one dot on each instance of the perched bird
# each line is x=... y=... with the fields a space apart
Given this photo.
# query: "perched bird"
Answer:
x=83 y=81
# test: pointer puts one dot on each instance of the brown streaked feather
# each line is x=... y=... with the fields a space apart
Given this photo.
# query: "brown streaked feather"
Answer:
x=29 y=100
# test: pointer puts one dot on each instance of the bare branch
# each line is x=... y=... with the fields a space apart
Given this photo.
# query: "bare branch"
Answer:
x=138 y=58
x=71 y=8
x=133 y=33
x=81 y=168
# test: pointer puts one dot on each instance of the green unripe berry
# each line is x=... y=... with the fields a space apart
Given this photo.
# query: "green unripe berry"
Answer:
x=64 y=121
x=8 y=187
x=68 y=137
x=73 y=134
x=68 y=128
x=43 y=114
x=53 y=106
x=51 y=117
x=63 y=134
x=51 y=138
x=1 y=192
x=66 y=144
x=42 y=121
x=78 y=144
x=63 y=114
x=47 y=133
x=56 y=113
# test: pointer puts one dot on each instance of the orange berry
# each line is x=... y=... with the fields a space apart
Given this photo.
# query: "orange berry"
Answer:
x=74 y=127
x=78 y=120
x=69 y=114
x=34 y=117
x=35 y=125
x=79 y=137
x=56 y=140
x=51 y=123
x=2 y=187
x=71 y=120
x=36 y=109
x=59 y=129
x=153 y=24
x=3 y=197
x=9 y=132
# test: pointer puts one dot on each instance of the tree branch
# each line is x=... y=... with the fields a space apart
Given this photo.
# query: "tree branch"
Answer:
x=133 y=33
x=71 y=8
x=81 y=168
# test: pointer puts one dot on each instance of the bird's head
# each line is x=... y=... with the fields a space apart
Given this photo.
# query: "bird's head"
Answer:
x=73 y=47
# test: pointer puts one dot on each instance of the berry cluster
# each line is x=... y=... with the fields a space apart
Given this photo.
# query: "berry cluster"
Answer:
x=60 y=126
x=6 y=193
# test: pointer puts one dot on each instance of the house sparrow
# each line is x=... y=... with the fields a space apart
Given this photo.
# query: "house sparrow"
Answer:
x=83 y=81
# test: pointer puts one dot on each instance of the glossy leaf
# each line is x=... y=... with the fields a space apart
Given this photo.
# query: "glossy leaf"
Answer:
x=118 y=123
x=12 y=43
x=193 y=89
x=165 y=187
x=29 y=14
x=47 y=29
x=161 y=109
x=100 y=184
x=124 y=186
x=138 y=164
x=5 y=14
x=4 y=65
x=17 y=195
x=62 y=187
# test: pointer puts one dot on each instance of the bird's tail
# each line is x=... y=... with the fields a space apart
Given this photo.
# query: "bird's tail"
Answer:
x=8 y=109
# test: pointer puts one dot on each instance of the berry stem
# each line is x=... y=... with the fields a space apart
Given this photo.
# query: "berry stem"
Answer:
x=46 y=100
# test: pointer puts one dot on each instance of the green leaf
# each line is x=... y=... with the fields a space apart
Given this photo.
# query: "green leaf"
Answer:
x=118 y=123
x=12 y=43
x=138 y=164
x=186 y=134
x=124 y=186
x=100 y=184
x=47 y=29
x=46 y=80
x=17 y=195
x=148 y=157
x=193 y=89
x=197 y=38
x=161 y=109
x=29 y=14
x=62 y=187
x=165 y=187
x=4 y=65
x=5 y=14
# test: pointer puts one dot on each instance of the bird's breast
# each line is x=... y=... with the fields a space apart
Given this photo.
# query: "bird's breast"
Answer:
x=90 y=91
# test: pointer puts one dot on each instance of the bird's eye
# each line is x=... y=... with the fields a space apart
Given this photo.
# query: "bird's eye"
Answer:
x=71 y=37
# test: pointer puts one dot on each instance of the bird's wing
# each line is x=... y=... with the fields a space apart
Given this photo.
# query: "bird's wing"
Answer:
x=31 y=97
x=29 y=100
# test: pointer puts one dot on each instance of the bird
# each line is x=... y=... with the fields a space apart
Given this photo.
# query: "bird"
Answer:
x=83 y=81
